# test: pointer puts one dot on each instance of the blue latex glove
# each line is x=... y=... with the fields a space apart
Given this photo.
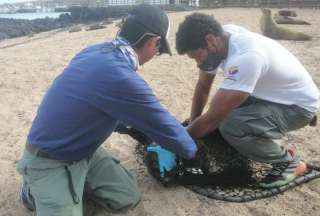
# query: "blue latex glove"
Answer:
x=166 y=159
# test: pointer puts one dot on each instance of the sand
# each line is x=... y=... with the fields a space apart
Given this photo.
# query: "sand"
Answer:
x=29 y=65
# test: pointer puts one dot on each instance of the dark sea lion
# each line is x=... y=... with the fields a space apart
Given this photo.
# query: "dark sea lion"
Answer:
x=270 y=29
x=280 y=19
x=290 y=13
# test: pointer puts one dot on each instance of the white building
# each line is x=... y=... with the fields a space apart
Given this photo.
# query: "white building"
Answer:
x=106 y=3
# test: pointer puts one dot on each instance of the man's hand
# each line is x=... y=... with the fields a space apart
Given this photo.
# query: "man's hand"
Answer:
x=166 y=159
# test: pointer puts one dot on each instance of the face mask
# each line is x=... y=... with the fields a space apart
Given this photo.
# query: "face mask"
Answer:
x=211 y=63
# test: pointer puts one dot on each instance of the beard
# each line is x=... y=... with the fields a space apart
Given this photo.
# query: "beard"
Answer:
x=211 y=63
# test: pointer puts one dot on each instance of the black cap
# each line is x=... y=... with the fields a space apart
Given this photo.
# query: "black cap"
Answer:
x=145 y=19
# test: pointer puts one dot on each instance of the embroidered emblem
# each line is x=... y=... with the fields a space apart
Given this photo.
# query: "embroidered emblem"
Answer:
x=233 y=70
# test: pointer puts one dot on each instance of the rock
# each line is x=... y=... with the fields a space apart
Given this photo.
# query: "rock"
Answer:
x=95 y=27
x=3 y=36
x=107 y=22
x=75 y=29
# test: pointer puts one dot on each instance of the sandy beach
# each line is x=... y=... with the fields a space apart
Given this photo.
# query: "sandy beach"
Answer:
x=29 y=65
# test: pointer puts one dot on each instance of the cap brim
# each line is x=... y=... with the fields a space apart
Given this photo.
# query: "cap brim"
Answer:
x=165 y=47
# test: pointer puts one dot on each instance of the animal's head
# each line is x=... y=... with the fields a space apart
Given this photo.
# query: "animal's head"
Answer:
x=266 y=11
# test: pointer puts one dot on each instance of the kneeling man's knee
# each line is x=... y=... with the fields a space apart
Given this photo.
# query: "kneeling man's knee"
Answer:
x=232 y=126
x=127 y=200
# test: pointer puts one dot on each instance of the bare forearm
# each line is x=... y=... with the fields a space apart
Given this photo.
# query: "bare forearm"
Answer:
x=199 y=101
x=221 y=105
x=201 y=94
x=202 y=126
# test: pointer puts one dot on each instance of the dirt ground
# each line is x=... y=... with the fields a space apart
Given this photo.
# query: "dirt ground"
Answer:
x=28 y=66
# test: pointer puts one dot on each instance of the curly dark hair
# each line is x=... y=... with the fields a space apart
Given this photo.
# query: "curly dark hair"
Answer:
x=192 y=31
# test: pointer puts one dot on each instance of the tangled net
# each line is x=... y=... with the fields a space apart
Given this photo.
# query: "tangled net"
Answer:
x=220 y=172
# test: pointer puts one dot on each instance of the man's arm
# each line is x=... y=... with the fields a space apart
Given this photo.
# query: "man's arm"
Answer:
x=131 y=100
x=223 y=102
x=241 y=78
x=201 y=94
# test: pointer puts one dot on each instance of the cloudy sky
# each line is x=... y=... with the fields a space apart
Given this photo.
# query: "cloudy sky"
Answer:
x=11 y=1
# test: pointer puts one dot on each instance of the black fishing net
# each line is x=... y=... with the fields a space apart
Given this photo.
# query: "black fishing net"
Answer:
x=218 y=170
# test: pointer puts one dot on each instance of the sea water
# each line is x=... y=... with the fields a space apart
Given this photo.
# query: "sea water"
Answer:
x=31 y=16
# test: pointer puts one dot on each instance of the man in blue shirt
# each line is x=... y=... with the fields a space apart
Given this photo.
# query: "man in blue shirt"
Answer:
x=100 y=87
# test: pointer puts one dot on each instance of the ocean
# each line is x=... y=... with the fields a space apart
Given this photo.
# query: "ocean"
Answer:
x=31 y=16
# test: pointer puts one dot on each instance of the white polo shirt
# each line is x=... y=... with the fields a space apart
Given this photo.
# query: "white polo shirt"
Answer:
x=262 y=67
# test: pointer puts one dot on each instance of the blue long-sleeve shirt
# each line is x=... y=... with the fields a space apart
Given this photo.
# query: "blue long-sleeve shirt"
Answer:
x=99 y=88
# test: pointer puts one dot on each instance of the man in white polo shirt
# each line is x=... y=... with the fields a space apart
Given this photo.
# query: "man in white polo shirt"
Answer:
x=266 y=92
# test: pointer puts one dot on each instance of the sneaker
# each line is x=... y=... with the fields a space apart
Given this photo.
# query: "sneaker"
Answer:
x=25 y=197
x=284 y=173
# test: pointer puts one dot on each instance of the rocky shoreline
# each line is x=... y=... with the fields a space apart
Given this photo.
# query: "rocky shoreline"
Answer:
x=10 y=28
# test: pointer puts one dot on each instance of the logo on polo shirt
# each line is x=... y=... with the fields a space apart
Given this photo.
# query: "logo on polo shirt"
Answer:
x=233 y=70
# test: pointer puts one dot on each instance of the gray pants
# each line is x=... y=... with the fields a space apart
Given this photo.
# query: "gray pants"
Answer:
x=252 y=127
x=57 y=187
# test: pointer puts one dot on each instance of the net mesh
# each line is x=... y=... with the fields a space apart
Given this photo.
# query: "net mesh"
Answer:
x=221 y=173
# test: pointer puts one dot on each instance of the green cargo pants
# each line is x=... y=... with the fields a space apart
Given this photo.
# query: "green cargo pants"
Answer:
x=252 y=128
x=57 y=187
